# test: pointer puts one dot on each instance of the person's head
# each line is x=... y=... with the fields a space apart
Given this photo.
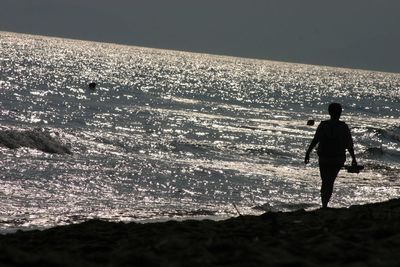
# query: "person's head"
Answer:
x=335 y=110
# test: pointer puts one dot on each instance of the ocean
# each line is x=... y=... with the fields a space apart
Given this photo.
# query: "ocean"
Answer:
x=177 y=135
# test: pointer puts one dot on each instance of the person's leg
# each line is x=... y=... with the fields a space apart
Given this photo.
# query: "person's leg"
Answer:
x=328 y=174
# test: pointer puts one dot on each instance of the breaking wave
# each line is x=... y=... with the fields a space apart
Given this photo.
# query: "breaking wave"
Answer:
x=36 y=139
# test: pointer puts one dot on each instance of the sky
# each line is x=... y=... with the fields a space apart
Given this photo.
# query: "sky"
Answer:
x=361 y=34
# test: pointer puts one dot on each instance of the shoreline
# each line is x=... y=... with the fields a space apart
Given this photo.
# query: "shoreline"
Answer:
x=356 y=236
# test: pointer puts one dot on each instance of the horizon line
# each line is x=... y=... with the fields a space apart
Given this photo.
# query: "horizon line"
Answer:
x=201 y=52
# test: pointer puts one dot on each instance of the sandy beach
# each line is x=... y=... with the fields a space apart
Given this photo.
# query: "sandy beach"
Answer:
x=367 y=235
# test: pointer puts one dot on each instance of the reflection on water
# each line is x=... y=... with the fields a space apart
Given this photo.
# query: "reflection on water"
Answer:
x=175 y=135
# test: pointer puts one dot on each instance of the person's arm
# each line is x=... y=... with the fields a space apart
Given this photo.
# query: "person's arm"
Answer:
x=353 y=156
x=314 y=142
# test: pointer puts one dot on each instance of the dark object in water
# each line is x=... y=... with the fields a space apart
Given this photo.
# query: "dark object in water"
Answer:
x=92 y=85
x=310 y=122
x=354 y=168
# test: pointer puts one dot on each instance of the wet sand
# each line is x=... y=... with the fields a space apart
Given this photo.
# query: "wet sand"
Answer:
x=367 y=235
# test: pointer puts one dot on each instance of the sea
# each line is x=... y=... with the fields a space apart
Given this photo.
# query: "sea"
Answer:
x=170 y=135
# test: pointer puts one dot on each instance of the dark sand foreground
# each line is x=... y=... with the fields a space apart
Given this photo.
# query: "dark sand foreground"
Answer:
x=367 y=235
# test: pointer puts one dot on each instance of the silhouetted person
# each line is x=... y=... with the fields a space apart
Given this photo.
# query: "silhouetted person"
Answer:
x=333 y=138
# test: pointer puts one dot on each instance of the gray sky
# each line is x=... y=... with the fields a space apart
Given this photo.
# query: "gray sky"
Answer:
x=350 y=33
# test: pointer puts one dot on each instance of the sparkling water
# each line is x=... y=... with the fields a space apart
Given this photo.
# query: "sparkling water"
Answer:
x=176 y=135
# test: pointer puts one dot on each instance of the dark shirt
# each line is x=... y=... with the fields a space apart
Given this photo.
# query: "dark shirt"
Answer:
x=334 y=138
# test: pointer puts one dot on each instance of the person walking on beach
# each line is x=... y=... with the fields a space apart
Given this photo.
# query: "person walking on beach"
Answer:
x=333 y=138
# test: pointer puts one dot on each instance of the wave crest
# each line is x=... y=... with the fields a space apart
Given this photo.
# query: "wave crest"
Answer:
x=36 y=139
